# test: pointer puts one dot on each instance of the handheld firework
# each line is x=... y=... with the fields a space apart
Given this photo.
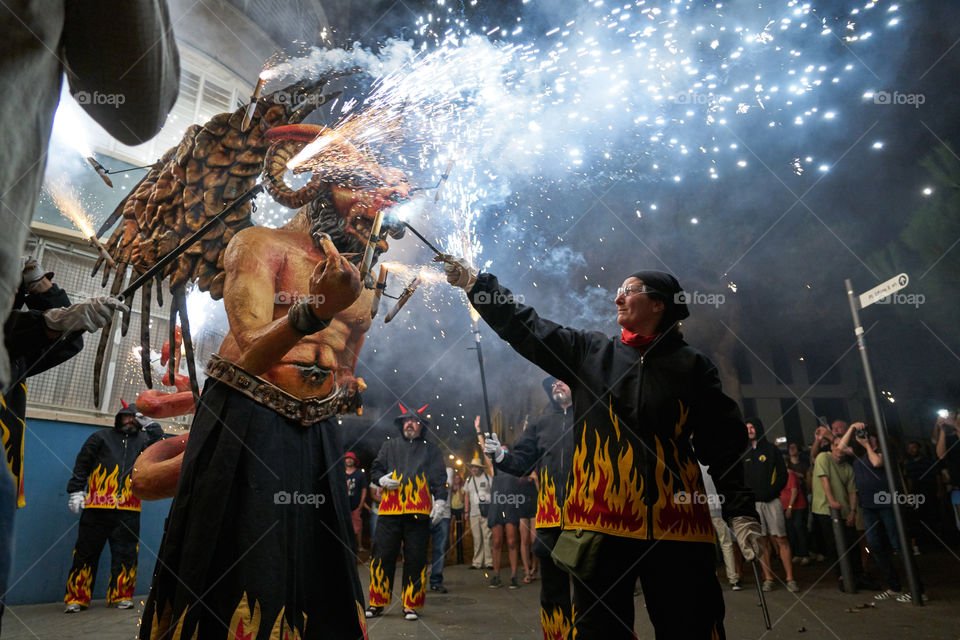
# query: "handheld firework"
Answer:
x=404 y=297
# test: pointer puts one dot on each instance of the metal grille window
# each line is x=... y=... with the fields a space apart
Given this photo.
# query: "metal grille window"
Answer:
x=69 y=387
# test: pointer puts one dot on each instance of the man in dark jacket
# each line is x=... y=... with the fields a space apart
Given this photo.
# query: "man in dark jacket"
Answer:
x=100 y=486
x=765 y=472
x=643 y=402
x=411 y=471
x=546 y=447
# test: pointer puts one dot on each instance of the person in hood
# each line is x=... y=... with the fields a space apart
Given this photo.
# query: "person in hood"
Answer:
x=100 y=488
x=411 y=472
x=765 y=472
x=643 y=402
x=546 y=447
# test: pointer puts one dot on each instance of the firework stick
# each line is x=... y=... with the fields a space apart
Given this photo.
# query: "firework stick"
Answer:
x=763 y=599
x=248 y=116
x=378 y=291
x=103 y=251
x=402 y=300
x=443 y=180
x=372 y=240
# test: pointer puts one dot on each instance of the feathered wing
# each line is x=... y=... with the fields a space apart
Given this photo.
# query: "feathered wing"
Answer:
x=191 y=183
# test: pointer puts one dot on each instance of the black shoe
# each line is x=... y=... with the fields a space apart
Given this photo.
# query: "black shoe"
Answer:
x=513 y=583
x=438 y=588
x=736 y=586
x=495 y=582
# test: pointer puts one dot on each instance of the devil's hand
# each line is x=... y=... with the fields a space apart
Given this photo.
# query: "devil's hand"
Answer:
x=335 y=283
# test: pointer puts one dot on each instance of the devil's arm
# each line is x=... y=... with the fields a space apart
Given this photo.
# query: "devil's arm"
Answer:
x=157 y=469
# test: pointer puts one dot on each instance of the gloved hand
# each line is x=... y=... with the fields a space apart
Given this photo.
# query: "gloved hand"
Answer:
x=436 y=511
x=459 y=272
x=492 y=446
x=143 y=420
x=76 y=501
x=88 y=315
x=389 y=483
x=747 y=530
x=33 y=273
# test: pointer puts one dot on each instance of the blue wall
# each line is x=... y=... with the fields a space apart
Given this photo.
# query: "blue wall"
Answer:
x=45 y=529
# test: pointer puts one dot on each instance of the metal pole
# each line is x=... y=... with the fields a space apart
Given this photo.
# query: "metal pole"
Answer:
x=839 y=539
x=483 y=378
x=888 y=460
x=763 y=598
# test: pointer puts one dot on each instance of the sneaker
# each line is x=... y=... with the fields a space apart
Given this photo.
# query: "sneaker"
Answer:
x=410 y=614
x=439 y=588
x=886 y=595
x=74 y=607
x=804 y=561
x=792 y=586
x=737 y=586
x=513 y=583
x=125 y=604
x=906 y=596
x=495 y=582
x=768 y=585
x=373 y=612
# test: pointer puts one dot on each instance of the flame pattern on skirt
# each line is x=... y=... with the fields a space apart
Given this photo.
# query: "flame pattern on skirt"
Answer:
x=379 y=584
x=412 y=496
x=126 y=582
x=79 y=587
x=556 y=626
x=414 y=597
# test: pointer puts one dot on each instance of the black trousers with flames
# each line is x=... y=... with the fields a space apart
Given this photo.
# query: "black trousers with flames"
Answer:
x=412 y=532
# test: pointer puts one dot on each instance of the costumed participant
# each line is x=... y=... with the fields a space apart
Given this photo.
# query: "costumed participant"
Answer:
x=546 y=447
x=100 y=487
x=32 y=338
x=255 y=541
x=411 y=472
x=637 y=400
x=356 y=492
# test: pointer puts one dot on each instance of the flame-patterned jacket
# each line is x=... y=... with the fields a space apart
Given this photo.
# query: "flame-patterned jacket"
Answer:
x=104 y=465
x=546 y=447
x=418 y=465
x=633 y=470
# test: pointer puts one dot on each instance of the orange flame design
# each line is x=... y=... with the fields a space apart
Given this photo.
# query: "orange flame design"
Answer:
x=244 y=624
x=412 y=496
x=363 y=620
x=127 y=500
x=555 y=625
x=125 y=584
x=605 y=497
x=102 y=488
x=674 y=520
x=415 y=599
x=379 y=584
x=391 y=502
x=79 y=586
x=548 y=514
x=283 y=630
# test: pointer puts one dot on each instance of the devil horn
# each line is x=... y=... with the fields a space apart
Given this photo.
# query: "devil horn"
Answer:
x=125 y=405
x=403 y=409
x=423 y=408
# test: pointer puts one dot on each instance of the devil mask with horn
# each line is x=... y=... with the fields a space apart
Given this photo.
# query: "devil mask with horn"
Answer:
x=345 y=191
x=411 y=422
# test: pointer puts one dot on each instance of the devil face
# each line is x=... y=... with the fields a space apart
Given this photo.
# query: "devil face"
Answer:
x=357 y=205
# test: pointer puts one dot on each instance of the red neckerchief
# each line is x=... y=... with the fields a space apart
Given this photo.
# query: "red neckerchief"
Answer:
x=636 y=340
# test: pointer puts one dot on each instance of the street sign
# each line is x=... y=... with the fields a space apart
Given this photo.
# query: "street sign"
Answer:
x=883 y=290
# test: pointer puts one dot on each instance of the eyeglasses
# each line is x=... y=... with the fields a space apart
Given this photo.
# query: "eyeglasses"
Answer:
x=633 y=289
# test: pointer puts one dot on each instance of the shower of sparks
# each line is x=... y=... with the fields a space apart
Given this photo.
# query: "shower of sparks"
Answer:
x=67 y=200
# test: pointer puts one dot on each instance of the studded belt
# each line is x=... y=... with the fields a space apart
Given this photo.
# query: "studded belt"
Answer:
x=306 y=411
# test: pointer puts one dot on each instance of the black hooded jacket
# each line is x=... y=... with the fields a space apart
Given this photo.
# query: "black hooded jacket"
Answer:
x=418 y=465
x=638 y=417
x=763 y=467
x=546 y=447
x=105 y=462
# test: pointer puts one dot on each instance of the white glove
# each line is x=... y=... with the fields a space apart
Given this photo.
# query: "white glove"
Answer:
x=89 y=315
x=76 y=501
x=459 y=272
x=436 y=511
x=143 y=420
x=491 y=446
x=389 y=483
x=748 y=532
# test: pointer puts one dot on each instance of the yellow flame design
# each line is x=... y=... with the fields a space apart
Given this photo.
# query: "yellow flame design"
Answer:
x=79 y=587
x=244 y=624
x=548 y=513
x=415 y=599
x=379 y=584
x=555 y=625
x=126 y=583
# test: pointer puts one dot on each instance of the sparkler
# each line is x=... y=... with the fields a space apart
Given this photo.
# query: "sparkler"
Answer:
x=101 y=171
x=404 y=296
x=378 y=291
x=372 y=241
x=254 y=97
x=68 y=202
